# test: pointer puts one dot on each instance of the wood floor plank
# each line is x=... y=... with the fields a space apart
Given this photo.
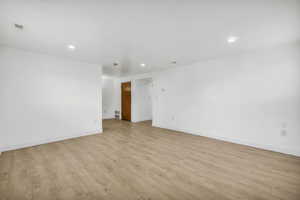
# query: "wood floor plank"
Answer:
x=139 y=162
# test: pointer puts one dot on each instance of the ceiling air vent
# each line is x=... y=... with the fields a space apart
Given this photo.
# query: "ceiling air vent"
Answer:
x=19 y=26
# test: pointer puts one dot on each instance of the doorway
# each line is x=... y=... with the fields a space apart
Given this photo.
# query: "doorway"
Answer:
x=142 y=100
x=126 y=101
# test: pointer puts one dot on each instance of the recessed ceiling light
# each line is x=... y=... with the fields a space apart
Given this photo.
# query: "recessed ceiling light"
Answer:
x=143 y=65
x=232 y=39
x=71 y=47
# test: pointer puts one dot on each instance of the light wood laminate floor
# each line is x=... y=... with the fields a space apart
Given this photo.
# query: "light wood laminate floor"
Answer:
x=136 y=161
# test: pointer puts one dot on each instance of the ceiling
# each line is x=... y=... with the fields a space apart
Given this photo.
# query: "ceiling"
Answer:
x=153 y=32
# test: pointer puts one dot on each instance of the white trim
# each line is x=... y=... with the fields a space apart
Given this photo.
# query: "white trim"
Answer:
x=49 y=140
x=136 y=77
x=108 y=118
x=285 y=150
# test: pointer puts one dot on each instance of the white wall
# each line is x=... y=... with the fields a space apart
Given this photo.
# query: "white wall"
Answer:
x=44 y=98
x=109 y=97
x=141 y=100
x=252 y=99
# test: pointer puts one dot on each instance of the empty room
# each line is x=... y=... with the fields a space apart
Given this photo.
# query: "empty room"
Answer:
x=149 y=100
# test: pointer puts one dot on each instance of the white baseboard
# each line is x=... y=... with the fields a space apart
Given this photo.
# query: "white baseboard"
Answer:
x=285 y=150
x=49 y=140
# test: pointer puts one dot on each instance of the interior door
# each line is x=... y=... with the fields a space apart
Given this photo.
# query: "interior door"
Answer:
x=126 y=101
